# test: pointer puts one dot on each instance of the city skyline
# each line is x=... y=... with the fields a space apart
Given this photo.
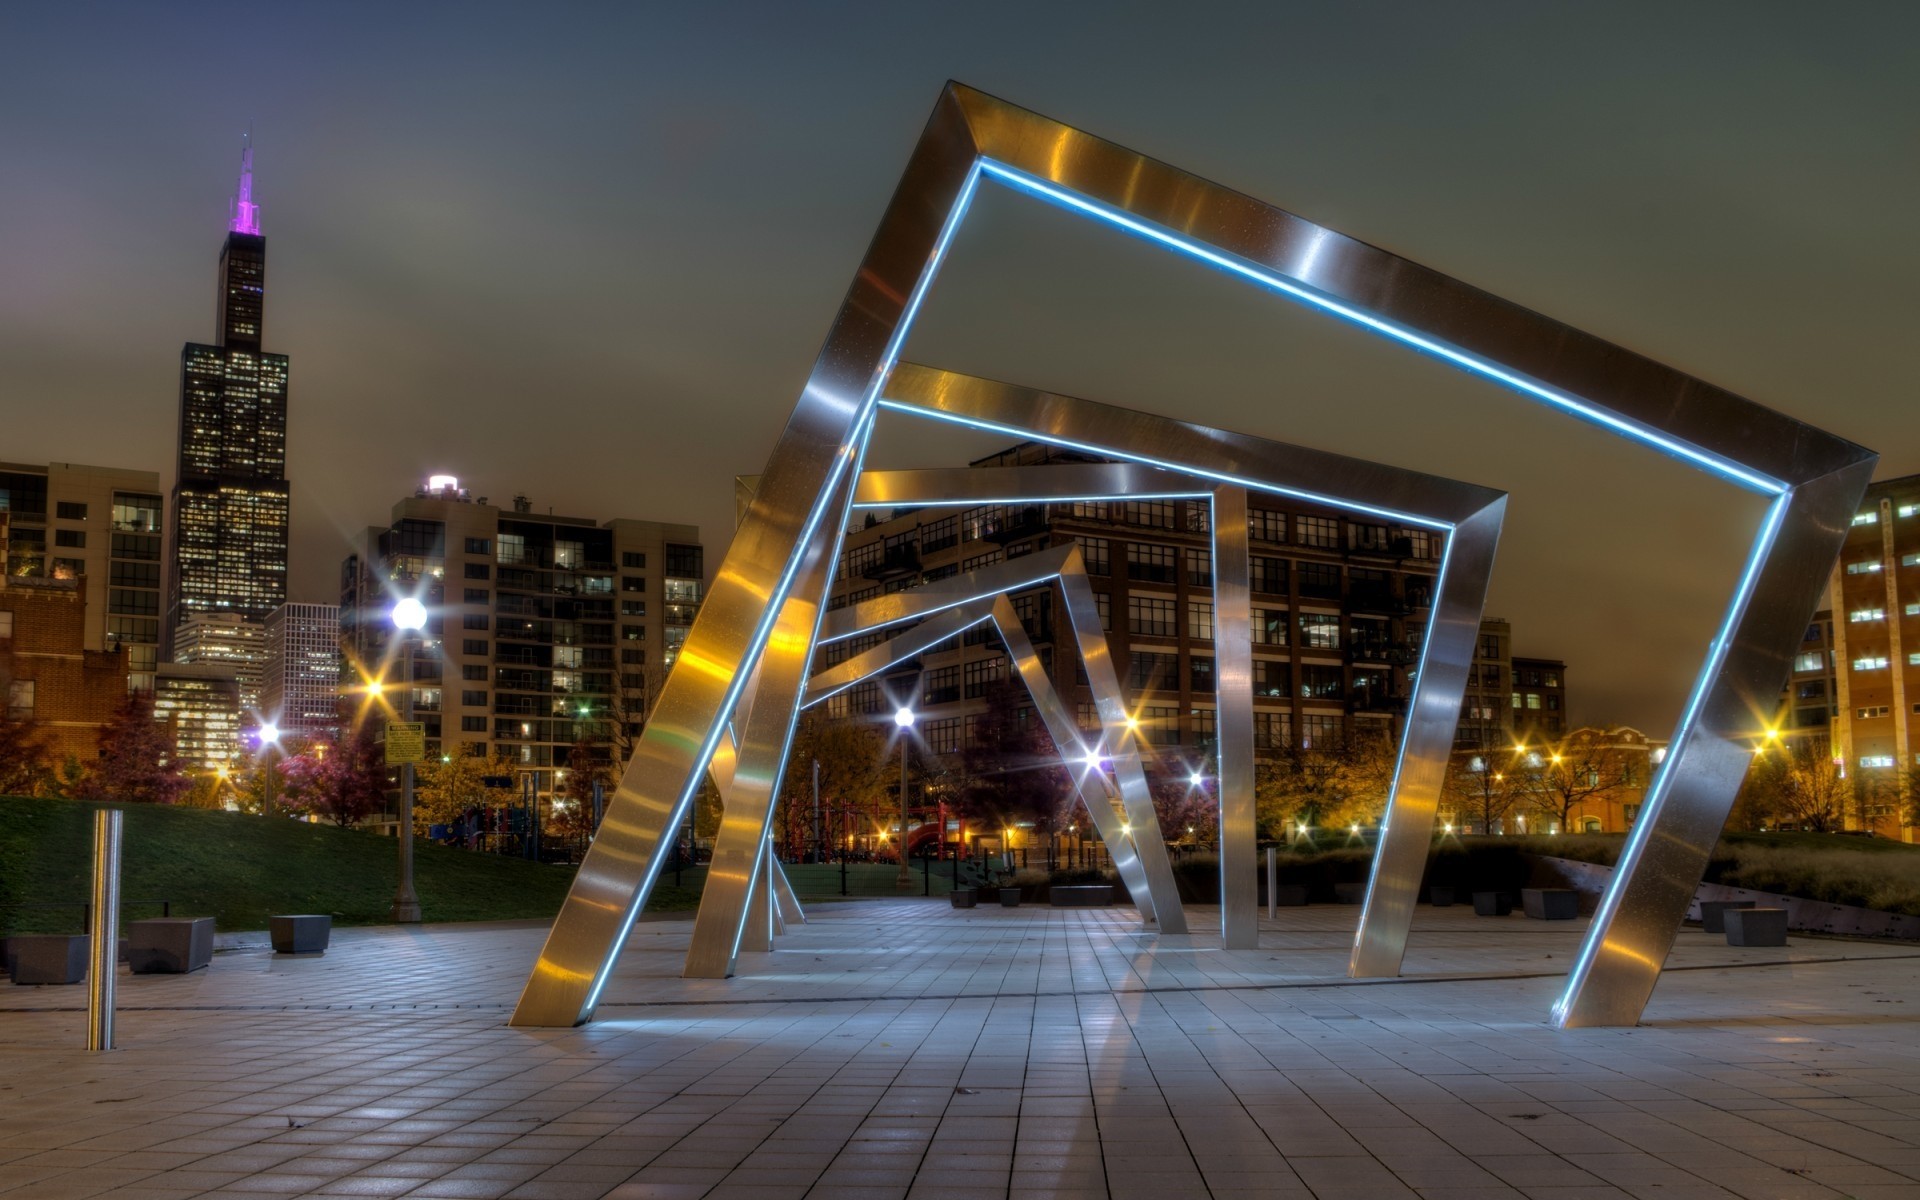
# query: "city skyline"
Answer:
x=589 y=256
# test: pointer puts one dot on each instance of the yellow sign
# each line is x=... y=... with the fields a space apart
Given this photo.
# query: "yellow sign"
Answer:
x=406 y=742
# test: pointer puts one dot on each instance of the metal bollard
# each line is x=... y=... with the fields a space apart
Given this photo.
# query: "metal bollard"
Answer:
x=104 y=954
x=1273 y=882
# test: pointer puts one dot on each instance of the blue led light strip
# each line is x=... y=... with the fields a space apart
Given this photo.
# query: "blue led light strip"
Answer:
x=1022 y=181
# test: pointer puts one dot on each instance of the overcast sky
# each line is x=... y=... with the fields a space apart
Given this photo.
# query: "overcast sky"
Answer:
x=589 y=252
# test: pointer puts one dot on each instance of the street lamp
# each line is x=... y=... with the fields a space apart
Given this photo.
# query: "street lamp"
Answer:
x=409 y=616
x=903 y=718
x=269 y=735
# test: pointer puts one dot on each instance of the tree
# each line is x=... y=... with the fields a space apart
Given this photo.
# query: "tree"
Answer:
x=856 y=772
x=1478 y=792
x=1582 y=768
x=344 y=781
x=1180 y=804
x=588 y=762
x=139 y=761
x=1809 y=788
x=444 y=790
x=1012 y=769
x=26 y=757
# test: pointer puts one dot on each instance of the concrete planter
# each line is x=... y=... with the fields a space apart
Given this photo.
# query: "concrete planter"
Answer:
x=1010 y=897
x=304 y=934
x=1492 y=904
x=964 y=897
x=1756 y=926
x=1713 y=913
x=47 y=958
x=170 y=945
x=1550 y=904
x=1440 y=897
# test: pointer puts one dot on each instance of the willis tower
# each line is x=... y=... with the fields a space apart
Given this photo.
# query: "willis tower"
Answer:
x=230 y=497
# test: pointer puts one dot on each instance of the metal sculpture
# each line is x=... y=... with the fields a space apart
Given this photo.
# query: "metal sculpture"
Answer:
x=758 y=619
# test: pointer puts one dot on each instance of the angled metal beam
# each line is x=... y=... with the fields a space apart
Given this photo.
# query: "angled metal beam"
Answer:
x=1813 y=477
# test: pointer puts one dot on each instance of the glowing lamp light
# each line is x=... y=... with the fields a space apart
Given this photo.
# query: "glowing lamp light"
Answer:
x=1196 y=779
x=409 y=614
x=269 y=733
x=443 y=483
x=903 y=718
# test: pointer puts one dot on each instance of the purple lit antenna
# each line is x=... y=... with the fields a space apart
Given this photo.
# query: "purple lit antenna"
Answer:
x=246 y=214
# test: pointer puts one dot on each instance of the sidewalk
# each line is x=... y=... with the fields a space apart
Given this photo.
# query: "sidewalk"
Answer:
x=900 y=1048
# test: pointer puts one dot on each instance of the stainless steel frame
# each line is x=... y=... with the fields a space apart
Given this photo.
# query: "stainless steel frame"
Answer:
x=790 y=532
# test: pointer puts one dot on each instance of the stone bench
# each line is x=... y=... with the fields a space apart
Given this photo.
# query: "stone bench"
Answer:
x=169 y=945
x=1713 y=913
x=1756 y=926
x=47 y=958
x=1492 y=904
x=964 y=898
x=302 y=934
x=1550 y=904
x=1080 y=895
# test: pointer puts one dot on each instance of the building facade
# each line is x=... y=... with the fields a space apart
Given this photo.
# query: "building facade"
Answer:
x=1340 y=611
x=199 y=703
x=235 y=642
x=47 y=673
x=543 y=629
x=1509 y=698
x=230 y=494
x=301 y=692
x=66 y=521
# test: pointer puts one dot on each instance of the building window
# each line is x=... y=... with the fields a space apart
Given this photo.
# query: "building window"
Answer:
x=473 y=698
x=1152 y=617
x=1095 y=552
x=1268 y=575
x=1272 y=731
x=479 y=571
x=1812 y=660
x=20 y=698
x=633 y=608
x=473 y=725
x=1151 y=672
x=633 y=559
x=1319 y=631
x=1200 y=620
x=1907 y=510
x=1153 y=564
x=73 y=539
x=513 y=549
x=633 y=583
x=476 y=595
x=685 y=562
x=1200 y=673
x=67 y=510
x=1870 y=664
x=1876 y=760
x=473 y=672
x=1867 y=518
x=1863 y=568
x=1103 y=604
x=1318 y=531
x=479 y=545
x=983 y=672
x=1870 y=712
x=6 y=624
x=1160 y=726
x=942 y=686
x=1200 y=568
x=1320 y=581
x=1269 y=626
x=1272 y=679
x=1267 y=525
x=1154 y=514
x=943 y=737
x=1086 y=714
x=1867 y=614
x=1323 y=730
x=473 y=646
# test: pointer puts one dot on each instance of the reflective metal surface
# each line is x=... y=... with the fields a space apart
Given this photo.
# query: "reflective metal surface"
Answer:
x=1227 y=462
x=1233 y=722
x=1815 y=477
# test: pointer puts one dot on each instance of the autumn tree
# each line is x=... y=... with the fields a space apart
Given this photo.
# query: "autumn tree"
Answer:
x=856 y=773
x=1582 y=768
x=1807 y=787
x=342 y=781
x=1478 y=791
x=444 y=790
x=138 y=761
x=26 y=757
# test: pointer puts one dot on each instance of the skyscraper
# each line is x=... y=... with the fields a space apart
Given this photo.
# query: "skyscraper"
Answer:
x=230 y=497
x=302 y=694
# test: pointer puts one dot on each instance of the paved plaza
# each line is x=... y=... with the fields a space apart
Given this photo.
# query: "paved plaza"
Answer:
x=901 y=1048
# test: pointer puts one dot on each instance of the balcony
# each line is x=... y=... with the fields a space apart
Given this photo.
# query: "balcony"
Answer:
x=1397 y=654
x=898 y=561
x=1016 y=523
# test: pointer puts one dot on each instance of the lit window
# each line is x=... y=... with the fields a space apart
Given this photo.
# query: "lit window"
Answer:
x=1867 y=614
x=1870 y=664
x=1876 y=760
x=1812 y=660
x=1913 y=610
x=1867 y=518
x=1910 y=560
x=1908 y=510
x=1863 y=568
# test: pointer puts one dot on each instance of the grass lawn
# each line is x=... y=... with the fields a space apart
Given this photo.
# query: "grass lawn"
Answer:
x=240 y=870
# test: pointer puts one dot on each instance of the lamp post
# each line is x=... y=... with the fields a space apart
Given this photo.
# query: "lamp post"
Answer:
x=409 y=616
x=269 y=735
x=904 y=720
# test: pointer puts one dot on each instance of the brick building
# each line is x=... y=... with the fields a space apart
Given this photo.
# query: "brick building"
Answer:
x=46 y=671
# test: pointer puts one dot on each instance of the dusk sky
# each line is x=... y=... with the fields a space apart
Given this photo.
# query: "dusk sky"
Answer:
x=589 y=252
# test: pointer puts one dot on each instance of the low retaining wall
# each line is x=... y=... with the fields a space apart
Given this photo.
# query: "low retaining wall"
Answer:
x=1806 y=916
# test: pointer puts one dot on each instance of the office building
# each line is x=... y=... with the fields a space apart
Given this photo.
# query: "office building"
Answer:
x=1340 y=610
x=543 y=629
x=1510 y=698
x=66 y=521
x=233 y=641
x=200 y=705
x=230 y=497
x=303 y=669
